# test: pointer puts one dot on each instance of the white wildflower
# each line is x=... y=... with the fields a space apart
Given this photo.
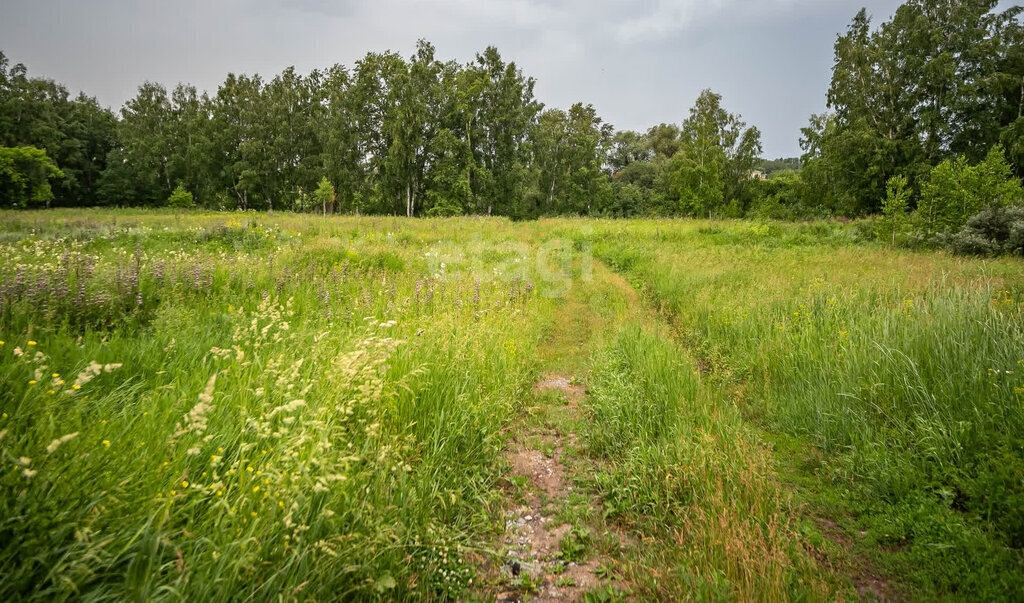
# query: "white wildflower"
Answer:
x=54 y=445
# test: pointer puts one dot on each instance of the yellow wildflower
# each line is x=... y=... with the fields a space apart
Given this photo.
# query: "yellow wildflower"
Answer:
x=32 y=382
x=106 y=443
x=184 y=484
x=31 y=342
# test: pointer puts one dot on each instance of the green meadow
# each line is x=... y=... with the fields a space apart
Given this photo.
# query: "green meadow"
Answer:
x=241 y=406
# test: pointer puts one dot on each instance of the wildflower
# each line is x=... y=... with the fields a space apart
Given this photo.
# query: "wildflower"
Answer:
x=174 y=492
x=1 y=341
x=219 y=492
x=4 y=416
x=51 y=392
x=32 y=382
x=106 y=443
x=54 y=445
x=184 y=484
x=17 y=352
x=56 y=375
x=28 y=473
x=31 y=343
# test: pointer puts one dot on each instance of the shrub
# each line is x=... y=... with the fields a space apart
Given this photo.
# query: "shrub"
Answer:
x=785 y=196
x=992 y=231
x=180 y=198
x=444 y=207
x=955 y=191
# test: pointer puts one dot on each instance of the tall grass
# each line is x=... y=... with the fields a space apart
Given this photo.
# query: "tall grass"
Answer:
x=289 y=408
x=904 y=370
x=684 y=471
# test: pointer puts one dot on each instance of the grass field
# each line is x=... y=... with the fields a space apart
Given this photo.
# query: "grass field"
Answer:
x=243 y=406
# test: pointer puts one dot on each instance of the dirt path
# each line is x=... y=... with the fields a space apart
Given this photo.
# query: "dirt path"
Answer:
x=557 y=545
x=542 y=561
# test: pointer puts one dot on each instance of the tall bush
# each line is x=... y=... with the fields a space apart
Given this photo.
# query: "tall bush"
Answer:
x=955 y=191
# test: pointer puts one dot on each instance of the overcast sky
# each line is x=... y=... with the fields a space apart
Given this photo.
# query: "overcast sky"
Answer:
x=639 y=63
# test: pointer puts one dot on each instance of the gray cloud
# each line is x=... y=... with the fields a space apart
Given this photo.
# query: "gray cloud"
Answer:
x=639 y=63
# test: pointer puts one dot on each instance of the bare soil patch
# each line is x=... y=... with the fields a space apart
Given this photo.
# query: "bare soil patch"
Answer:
x=533 y=565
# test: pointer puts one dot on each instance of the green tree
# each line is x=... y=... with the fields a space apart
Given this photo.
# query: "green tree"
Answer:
x=716 y=156
x=939 y=80
x=569 y=149
x=324 y=195
x=25 y=175
x=76 y=132
x=507 y=112
x=896 y=204
x=627 y=147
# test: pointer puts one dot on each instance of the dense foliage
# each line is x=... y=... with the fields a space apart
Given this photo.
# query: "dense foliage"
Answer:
x=925 y=96
x=25 y=174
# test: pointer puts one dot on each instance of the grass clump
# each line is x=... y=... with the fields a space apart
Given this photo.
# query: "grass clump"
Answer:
x=683 y=470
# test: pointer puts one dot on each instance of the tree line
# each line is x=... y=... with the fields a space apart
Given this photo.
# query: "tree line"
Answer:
x=941 y=82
